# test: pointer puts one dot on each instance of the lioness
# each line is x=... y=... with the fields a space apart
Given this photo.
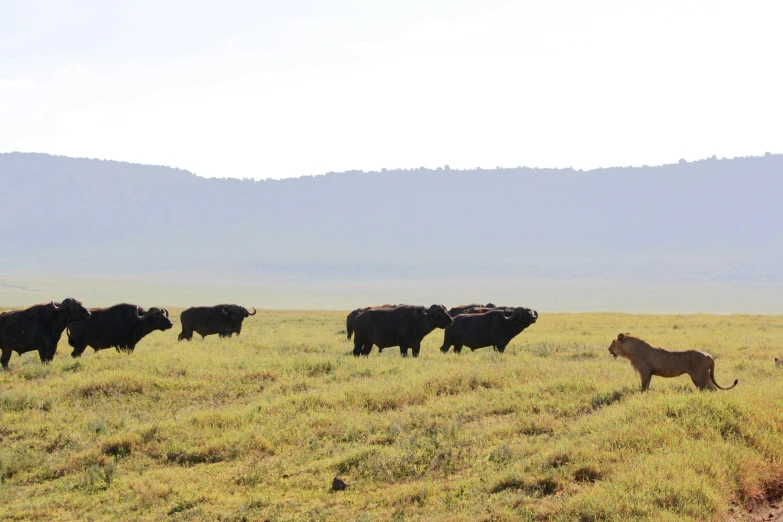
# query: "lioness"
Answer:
x=649 y=361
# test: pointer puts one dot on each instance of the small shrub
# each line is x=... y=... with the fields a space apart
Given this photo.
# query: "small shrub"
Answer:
x=99 y=476
x=183 y=505
x=508 y=483
x=98 y=426
x=533 y=428
x=321 y=368
x=558 y=459
x=15 y=402
x=122 y=386
x=602 y=399
x=588 y=474
x=118 y=448
x=72 y=366
x=501 y=454
x=13 y=463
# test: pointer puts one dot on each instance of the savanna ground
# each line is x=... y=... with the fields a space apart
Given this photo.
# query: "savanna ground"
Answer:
x=256 y=427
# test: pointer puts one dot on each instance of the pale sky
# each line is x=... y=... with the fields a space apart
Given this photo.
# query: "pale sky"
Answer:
x=288 y=88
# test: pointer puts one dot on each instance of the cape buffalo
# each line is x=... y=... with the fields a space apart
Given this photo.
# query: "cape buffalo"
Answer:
x=404 y=326
x=223 y=319
x=349 y=320
x=37 y=328
x=120 y=326
x=462 y=308
x=494 y=328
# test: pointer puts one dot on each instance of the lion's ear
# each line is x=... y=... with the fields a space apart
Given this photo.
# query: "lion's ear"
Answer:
x=621 y=337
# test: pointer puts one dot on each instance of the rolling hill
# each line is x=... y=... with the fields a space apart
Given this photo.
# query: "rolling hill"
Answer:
x=701 y=235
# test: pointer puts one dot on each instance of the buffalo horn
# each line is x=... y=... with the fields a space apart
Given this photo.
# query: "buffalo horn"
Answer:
x=513 y=315
x=254 y=310
x=151 y=311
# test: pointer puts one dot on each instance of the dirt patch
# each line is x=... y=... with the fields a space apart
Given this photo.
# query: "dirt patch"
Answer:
x=770 y=512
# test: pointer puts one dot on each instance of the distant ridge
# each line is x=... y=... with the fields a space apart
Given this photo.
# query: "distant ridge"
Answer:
x=388 y=170
x=708 y=221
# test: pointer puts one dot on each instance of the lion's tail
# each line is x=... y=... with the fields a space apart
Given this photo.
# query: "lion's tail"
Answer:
x=712 y=377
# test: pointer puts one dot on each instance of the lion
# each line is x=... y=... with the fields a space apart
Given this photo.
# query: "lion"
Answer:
x=648 y=360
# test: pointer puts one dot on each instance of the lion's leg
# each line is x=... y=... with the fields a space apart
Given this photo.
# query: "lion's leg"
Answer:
x=646 y=376
x=703 y=381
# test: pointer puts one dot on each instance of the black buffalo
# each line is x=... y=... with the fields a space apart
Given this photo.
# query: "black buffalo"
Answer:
x=38 y=328
x=349 y=320
x=495 y=328
x=120 y=326
x=404 y=326
x=223 y=319
x=457 y=310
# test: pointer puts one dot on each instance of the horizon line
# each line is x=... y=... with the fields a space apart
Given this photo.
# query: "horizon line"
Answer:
x=444 y=167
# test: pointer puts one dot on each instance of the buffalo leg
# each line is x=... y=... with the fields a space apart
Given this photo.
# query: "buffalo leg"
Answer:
x=445 y=348
x=367 y=348
x=415 y=349
x=404 y=351
x=5 y=357
x=500 y=348
x=457 y=348
x=357 y=347
x=52 y=351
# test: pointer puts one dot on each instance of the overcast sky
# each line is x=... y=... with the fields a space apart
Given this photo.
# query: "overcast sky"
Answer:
x=295 y=87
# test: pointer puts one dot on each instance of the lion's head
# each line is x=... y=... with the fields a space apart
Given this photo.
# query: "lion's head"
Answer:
x=616 y=348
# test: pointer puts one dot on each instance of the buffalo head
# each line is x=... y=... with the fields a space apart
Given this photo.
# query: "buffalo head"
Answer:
x=158 y=318
x=237 y=310
x=439 y=316
x=73 y=309
x=522 y=315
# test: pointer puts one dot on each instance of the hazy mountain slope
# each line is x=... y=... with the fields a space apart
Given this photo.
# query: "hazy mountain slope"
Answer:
x=712 y=220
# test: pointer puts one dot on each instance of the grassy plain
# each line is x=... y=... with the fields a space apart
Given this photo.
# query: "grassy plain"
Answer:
x=256 y=427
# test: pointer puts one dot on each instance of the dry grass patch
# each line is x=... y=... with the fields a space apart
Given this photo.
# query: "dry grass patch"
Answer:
x=256 y=427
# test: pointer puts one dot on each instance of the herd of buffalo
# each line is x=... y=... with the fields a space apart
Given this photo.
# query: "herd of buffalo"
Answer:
x=122 y=326
x=474 y=326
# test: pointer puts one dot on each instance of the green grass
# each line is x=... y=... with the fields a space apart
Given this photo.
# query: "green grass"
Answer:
x=256 y=427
